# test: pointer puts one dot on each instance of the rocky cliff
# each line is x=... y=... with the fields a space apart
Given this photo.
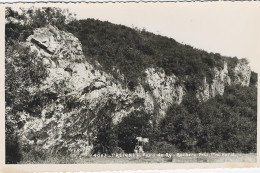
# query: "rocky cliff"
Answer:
x=80 y=91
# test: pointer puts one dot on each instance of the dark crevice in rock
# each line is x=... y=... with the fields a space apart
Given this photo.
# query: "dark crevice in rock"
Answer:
x=42 y=46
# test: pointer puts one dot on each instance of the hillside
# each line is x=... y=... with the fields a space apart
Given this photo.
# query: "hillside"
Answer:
x=132 y=51
x=81 y=87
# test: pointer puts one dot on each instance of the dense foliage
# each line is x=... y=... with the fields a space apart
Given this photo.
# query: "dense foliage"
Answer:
x=138 y=123
x=223 y=124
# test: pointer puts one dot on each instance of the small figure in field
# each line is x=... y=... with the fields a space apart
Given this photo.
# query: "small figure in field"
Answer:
x=141 y=149
x=136 y=149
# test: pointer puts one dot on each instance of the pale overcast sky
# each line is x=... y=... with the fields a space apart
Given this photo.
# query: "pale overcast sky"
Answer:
x=228 y=28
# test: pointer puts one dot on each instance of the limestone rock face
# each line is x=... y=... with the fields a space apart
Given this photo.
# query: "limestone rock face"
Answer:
x=164 y=89
x=217 y=86
x=241 y=72
x=52 y=43
x=79 y=92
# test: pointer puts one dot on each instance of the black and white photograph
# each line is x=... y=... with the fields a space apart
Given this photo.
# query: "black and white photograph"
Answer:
x=131 y=83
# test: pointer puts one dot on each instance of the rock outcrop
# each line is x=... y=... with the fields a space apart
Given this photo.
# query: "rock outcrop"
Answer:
x=80 y=92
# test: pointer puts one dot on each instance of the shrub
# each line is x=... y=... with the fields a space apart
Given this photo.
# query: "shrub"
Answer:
x=253 y=78
x=134 y=125
x=164 y=147
x=33 y=154
x=12 y=146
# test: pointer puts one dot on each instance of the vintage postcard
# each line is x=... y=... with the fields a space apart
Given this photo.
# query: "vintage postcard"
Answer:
x=129 y=86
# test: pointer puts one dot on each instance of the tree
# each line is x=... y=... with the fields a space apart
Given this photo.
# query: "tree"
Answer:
x=137 y=123
x=21 y=25
x=181 y=128
x=105 y=141
x=229 y=121
x=12 y=146
x=24 y=73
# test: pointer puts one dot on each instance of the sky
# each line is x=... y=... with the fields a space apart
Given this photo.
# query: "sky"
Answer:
x=229 y=28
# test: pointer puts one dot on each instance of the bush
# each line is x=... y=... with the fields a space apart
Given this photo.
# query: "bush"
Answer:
x=118 y=150
x=253 y=78
x=12 y=147
x=163 y=148
x=105 y=141
x=33 y=154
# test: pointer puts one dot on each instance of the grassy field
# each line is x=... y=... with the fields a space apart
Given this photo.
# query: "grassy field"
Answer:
x=152 y=158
